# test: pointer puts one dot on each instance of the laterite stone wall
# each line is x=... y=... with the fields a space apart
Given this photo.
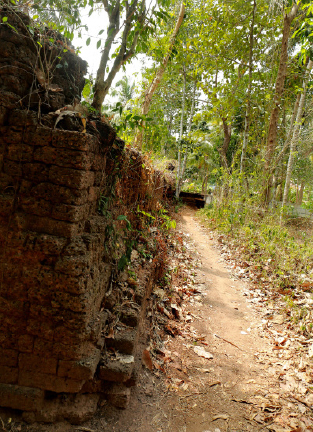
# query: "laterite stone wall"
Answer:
x=56 y=287
x=52 y=274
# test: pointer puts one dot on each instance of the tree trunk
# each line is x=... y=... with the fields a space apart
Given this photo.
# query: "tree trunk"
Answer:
x=205 y=184
x=248 y=107
x=289 y=135
x=279 y=88
x=183 y=168
x=226 y=142
x=296 y=133
x=300 y=194
x=159 y=74
x=178 y=175
x=102 y=86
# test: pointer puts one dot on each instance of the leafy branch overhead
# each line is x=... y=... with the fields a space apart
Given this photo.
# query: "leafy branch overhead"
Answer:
x=130 y=23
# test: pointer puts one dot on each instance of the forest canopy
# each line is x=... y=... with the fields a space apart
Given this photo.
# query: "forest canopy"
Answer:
x=226 y=96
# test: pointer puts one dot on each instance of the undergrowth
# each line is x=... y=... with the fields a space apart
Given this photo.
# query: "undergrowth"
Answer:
x=283 y=253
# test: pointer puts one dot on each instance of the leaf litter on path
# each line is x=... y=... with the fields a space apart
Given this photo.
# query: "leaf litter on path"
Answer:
x=180 y=309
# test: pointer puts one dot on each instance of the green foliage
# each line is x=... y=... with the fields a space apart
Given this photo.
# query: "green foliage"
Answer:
x=261 y=238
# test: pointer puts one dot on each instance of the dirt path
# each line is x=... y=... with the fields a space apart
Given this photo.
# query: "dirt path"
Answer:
x=220 y=372
x=235 y=390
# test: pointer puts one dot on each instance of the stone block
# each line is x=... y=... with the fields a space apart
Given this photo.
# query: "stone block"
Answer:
x=124 y=341
x=8 y=375
x=76 y=247
x=66 y=352
x=12 y=136
x=68 y=283
x=73 y=178
x=32 y=362
x=12 y=168
x=119 y=396
x=8 y=357
x=68 y=301
x=6 y=205
x=44 y=224
x=117 y=370
x=19 y=152
x=17 y=292
x=49 y=382
x=35 y=206
x=25 y=187
x=83 y=369
x=7 y=182
x=59 y=194
x=38 y=136
x=66 y=158
x=36 y=172
x=23 y=117
x=47 y=244
x=25 y=343
x=98 y=162
x=75 y=409
x=3 y=115
x=93 y=194
x=21 y=398
x=74 y=266
x=36 y=327
x=7 y=339
x=42 y=347
x=130 y=316
x=70 y=213
x=95 y=386
x=75 y=141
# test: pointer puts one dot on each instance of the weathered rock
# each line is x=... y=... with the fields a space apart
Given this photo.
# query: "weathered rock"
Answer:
x=21 y=398
x=119 y=396
x=118 y=369
x=74 y=408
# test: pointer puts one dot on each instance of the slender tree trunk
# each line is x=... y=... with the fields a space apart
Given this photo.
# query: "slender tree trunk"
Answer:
x=178 y=175
x=183 y=167
x=182 y=173
x=205 y=184
x=248 y=107
x=279 y=88
x=296 y=133
x=300 y=193
x=226 y=142
x=159 y=74
x=289 y=135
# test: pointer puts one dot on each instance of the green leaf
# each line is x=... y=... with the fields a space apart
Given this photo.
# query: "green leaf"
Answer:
x=123 y=261
x=100 y=32
x=88 y=41
x=121 y=217
x=4 y=19
x=99 y=43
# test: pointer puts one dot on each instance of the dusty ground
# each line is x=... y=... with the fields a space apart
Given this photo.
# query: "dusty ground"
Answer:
x=223 y=370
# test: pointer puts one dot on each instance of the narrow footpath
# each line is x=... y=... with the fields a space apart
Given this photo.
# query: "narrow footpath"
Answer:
x=222 y=371
x=227 y=370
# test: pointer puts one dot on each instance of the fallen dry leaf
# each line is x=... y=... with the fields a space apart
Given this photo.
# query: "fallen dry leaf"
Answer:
x=220 y=416
x=146 y=359
x=202 y=352
x=214 y=383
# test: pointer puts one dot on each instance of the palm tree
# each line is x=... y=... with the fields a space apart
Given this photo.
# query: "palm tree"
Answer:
x=126 y=90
